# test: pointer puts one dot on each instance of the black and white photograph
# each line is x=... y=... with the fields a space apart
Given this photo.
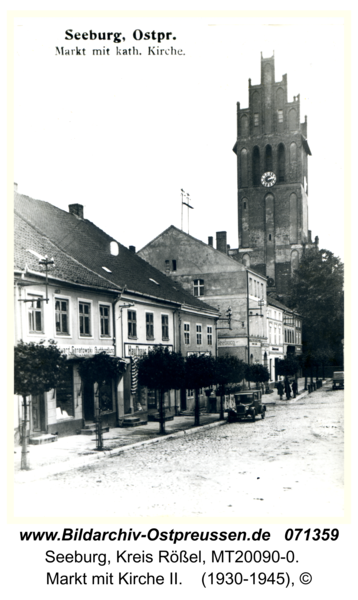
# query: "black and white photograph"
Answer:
x=179 y=200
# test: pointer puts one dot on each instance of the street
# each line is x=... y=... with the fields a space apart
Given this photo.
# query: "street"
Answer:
x=291 y=464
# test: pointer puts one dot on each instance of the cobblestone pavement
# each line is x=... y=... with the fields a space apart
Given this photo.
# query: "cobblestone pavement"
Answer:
x=288 y=465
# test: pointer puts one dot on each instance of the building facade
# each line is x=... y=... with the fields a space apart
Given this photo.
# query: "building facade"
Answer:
x=100 y=296
x=212 y=275
x=272 y=166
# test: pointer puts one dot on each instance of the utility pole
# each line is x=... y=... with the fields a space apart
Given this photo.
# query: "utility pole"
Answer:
x=185 y=199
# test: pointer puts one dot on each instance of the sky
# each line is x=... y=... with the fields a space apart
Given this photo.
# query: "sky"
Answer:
x=122 y=135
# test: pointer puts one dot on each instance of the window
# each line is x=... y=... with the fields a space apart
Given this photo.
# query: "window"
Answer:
x=280 y=115
x=85 y=318
x=209 y=331
x=35 y=316
x=250 y=286
x=149 y=325
x=165 y=327
x=174 y=265
x=262 y=291
x=186 y=333
x=167 y=266
x=198 y=335
x=245 y=205
x=198 y=287
x=281 y=162
x=61 y=315
x=256 y=119
x=104 y=319
x=132 y=324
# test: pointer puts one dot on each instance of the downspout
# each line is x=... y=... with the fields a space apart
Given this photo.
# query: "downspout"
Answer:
x=115 y=353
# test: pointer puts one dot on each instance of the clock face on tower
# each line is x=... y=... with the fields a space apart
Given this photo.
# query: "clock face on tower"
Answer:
x=268 y=179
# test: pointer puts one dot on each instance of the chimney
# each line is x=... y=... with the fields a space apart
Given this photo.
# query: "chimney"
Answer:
x=15 y=187
x=221 y=241
x=76 y=209
x=132 y=248
x=210 y=241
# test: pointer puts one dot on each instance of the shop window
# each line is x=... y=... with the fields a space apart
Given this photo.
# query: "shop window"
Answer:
x=85 y=318
x=165 y=327
x=209 y=330
x=186 y=333
x=151 y=399
x=105 y=396
x=35 y=315
x=149 y=325
x=64 y=395
x=104 y=319
x=61 y=316
x=198 y=287
x=199 y=335
x=132 y=324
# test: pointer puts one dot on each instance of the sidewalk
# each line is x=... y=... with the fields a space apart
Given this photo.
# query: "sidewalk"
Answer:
x=75 y=451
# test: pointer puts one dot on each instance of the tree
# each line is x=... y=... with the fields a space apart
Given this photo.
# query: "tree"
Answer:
x=162 y=371
x=288 y=366
x=199 y=373
x=101 y=368
x=228 y=369
x=38 y=369
x=257 y=373
x=316 y=293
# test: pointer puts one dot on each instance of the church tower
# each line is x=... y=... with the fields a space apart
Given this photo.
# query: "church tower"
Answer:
x=272 y=151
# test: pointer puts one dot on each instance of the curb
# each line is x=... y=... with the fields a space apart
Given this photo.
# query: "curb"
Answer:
x=50 y=470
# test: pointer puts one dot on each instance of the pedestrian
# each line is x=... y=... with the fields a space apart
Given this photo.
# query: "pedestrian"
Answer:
x=287 y=389
x=294 y=388
x=280 y=389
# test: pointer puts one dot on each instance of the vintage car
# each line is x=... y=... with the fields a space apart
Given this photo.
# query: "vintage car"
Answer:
x=338 y=380
x=248 y=405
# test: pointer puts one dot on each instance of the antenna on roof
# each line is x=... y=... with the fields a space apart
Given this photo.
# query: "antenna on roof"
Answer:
x=185 y=196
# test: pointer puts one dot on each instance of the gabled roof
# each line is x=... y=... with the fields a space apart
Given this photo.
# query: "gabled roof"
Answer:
x=66 y=269
x=208 y=248
x=90 y=246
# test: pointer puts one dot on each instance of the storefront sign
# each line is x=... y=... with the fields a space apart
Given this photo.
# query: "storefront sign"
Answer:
x=141 y=349
x=255 y=344
x=208 y=353
x=86 y=350
x=274 y=349
x=231 y=342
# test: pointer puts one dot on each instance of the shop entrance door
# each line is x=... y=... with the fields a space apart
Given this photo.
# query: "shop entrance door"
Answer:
x=88 y=401
x=38 y=413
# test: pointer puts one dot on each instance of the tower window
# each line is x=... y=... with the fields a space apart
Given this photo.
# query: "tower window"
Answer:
x=256 y=166
x=256 y=119
x=269 y=237
x=174 y=265
x=281 y=162
x=280 y=115
x=245 y=205
x=268 y=158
